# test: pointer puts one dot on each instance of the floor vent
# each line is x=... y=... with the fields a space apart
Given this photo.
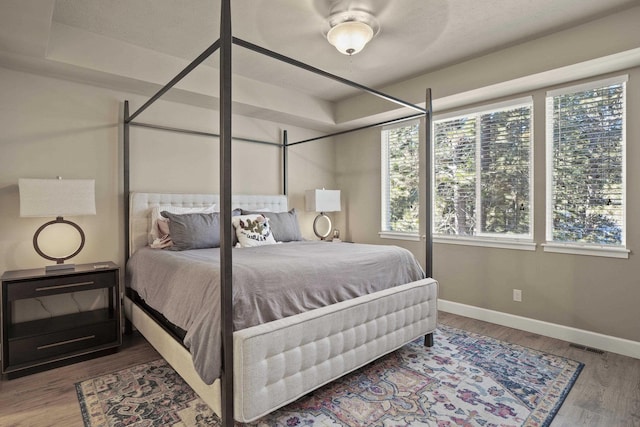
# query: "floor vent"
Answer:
x=585 y=348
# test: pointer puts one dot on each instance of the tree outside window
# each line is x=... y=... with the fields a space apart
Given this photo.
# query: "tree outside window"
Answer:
x=482 y=172
x=585 y=158
x=400 y=178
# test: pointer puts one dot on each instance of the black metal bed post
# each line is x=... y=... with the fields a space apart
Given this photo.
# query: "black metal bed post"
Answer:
x=226 y=244
x=126 y=188
x=126 y=184
x=429 y=185
x=285 y=165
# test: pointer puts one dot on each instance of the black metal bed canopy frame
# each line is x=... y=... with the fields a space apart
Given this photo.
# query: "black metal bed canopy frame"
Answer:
x=224 y=45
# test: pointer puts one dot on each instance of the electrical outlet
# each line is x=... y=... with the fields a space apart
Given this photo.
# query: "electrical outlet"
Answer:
x=517 y=295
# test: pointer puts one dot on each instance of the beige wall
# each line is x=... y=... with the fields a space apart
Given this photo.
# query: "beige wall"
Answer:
x=50 y=128
x=54 y=127
x=585 y=292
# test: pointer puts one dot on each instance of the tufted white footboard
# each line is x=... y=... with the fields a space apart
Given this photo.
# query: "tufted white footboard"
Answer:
x=280 y=361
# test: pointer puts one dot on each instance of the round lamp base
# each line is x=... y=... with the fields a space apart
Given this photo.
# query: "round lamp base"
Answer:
x=60 y=265
x=322 y=216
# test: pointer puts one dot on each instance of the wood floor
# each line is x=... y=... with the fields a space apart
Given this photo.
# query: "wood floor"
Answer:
x=607 y=393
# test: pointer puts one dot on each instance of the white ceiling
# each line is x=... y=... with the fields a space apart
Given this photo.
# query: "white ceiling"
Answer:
x=415 y=35
x=136 y=45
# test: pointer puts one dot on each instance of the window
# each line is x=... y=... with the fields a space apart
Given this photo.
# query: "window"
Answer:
x=482 y=173
x=400 y=178
x=586 y=164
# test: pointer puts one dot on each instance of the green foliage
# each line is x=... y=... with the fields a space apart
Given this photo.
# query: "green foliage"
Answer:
x=505 y=171
x=500 y=140
x=587 y=166
x=403 y=167
x=455 y=177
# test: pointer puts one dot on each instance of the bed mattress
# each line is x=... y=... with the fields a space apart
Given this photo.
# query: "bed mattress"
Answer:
x=269 y=283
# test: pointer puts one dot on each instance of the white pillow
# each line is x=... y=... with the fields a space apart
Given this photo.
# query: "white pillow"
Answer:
x=253 y=230
x=154 y=233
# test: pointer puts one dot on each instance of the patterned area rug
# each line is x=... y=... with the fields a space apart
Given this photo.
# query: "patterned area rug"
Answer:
x=465 y=379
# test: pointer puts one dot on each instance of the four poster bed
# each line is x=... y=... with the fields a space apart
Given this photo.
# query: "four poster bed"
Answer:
x=298 y=328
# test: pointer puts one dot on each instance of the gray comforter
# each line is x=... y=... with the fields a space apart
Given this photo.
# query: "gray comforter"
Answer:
x=269 y=283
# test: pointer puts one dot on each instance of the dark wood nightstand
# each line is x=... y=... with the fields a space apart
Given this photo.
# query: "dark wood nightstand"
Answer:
x=37 y=345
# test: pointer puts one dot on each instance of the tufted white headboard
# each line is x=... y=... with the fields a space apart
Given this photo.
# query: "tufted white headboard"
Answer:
x=140 y=205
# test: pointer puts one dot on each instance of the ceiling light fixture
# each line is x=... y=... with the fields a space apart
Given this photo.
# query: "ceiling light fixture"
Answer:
x=350 y=31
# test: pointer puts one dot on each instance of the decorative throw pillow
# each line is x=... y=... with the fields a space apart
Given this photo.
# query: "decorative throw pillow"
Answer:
x=284 y=225
x=154 y=232
x=234 y=238
x=164 y=241
x=163 y=227
x=253 y=230
x=193 y=230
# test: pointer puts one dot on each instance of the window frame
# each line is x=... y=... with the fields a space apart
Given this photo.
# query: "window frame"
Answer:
x=578 y=248
x=487 y=239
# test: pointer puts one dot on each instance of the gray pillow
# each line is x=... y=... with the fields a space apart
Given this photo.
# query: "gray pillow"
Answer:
x=196 y=230
x=193 y=230
x=284 y=225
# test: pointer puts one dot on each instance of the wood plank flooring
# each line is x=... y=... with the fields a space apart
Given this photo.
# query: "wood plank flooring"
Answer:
x=607 y=393
x=49 y=398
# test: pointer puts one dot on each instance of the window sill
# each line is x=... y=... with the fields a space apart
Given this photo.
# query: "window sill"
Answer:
x=396 y=235
x=485 y=242
x=604 y=251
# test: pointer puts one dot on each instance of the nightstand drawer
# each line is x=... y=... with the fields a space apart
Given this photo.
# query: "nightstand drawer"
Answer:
x=47 y=346
x=56 y=285
x=34 y=345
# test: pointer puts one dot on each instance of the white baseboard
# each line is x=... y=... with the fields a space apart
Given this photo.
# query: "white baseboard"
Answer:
x=553 y=330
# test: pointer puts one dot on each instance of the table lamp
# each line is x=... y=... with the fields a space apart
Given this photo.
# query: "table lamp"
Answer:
x=322 y=201
x=57 y=198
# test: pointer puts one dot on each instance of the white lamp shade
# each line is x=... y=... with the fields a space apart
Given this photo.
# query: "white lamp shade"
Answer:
x=350 y=37
x=56 y=197
x=322 y=200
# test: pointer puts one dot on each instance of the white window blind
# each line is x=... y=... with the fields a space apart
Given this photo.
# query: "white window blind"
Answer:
x=400 y=177
x=482 y=172
x=586 y=163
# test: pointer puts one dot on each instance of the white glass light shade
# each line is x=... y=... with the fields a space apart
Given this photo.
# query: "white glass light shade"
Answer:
x=322 y=200
x=56 y=197
x=350 y=37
